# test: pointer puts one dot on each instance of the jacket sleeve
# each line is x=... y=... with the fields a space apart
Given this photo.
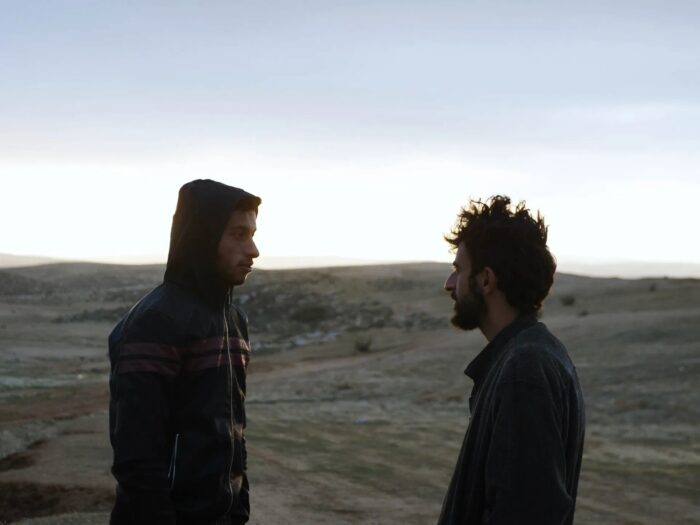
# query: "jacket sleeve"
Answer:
x=525 y=466
x=145 y=363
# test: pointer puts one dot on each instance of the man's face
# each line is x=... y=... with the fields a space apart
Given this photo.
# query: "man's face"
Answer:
x=234 y=259
x=469 y=304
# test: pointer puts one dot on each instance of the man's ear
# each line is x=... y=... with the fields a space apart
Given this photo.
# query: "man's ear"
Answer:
x=488 y=280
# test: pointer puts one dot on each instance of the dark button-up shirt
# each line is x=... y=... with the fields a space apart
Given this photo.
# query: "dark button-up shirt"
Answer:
x=521 y=456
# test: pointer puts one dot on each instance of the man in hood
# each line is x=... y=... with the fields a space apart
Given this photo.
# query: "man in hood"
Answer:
x=521 y=456
x=178 y=372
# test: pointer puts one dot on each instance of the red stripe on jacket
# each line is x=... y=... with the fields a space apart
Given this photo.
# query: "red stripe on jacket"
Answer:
x=169 y=359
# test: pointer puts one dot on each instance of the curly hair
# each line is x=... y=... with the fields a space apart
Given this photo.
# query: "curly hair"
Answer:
x=512 y=243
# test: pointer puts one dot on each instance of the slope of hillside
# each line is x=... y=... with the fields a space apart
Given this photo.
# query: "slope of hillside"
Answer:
x=356 y=392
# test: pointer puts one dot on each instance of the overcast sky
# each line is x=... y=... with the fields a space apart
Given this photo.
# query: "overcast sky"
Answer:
x=363 y=125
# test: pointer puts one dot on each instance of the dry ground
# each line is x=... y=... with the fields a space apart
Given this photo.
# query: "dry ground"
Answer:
x=342 y=436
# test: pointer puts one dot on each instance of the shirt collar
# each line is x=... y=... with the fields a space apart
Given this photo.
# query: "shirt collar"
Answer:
x=481 y=364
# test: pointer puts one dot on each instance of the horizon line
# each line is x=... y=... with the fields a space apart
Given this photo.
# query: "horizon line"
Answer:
x=604 y=269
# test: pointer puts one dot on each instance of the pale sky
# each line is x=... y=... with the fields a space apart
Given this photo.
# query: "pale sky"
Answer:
x=363 y=125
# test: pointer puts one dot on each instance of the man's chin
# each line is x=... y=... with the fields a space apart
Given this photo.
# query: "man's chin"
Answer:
x=236 y=279
x=240 y=280
x=464 y=324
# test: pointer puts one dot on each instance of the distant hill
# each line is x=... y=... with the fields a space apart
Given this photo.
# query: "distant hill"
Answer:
x=8 y=260
x=77 y=276
x=633 y=270
x=623 y=270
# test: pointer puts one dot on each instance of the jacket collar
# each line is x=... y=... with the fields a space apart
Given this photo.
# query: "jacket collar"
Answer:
x=482 y=363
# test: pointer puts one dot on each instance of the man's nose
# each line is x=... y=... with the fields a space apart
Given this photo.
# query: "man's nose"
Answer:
x=254 y=253
x=449 y=283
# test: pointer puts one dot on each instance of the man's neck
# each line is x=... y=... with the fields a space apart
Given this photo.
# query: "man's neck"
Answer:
x=496 y=321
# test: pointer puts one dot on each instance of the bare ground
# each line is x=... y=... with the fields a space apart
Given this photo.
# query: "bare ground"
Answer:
x=338 y=436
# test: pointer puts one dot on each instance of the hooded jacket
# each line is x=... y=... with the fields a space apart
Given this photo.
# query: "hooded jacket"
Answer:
x=178 y=379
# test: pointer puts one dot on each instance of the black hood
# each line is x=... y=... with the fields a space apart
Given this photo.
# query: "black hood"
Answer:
x=203 y=210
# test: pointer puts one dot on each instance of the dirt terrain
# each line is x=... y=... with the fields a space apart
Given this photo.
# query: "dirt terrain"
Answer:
x=357 y=397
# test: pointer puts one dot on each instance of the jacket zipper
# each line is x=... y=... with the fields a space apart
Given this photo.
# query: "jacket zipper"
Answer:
x=173 y=462
x=230 y=394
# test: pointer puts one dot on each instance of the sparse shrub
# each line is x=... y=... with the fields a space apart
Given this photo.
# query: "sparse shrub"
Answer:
x=96 y=315
x=363 y=344
x=652 y=287
x=394 y=284
x=583 y=313
x=128 y=295
x=567 y=299
x=310 y=313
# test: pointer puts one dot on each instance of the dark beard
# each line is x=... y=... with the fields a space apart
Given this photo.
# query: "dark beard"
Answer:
x=470 y=310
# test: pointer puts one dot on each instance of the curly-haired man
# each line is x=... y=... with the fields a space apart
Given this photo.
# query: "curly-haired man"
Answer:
x=521 y=456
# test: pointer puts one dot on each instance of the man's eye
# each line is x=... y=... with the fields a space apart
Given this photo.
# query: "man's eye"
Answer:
x=241 y=235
